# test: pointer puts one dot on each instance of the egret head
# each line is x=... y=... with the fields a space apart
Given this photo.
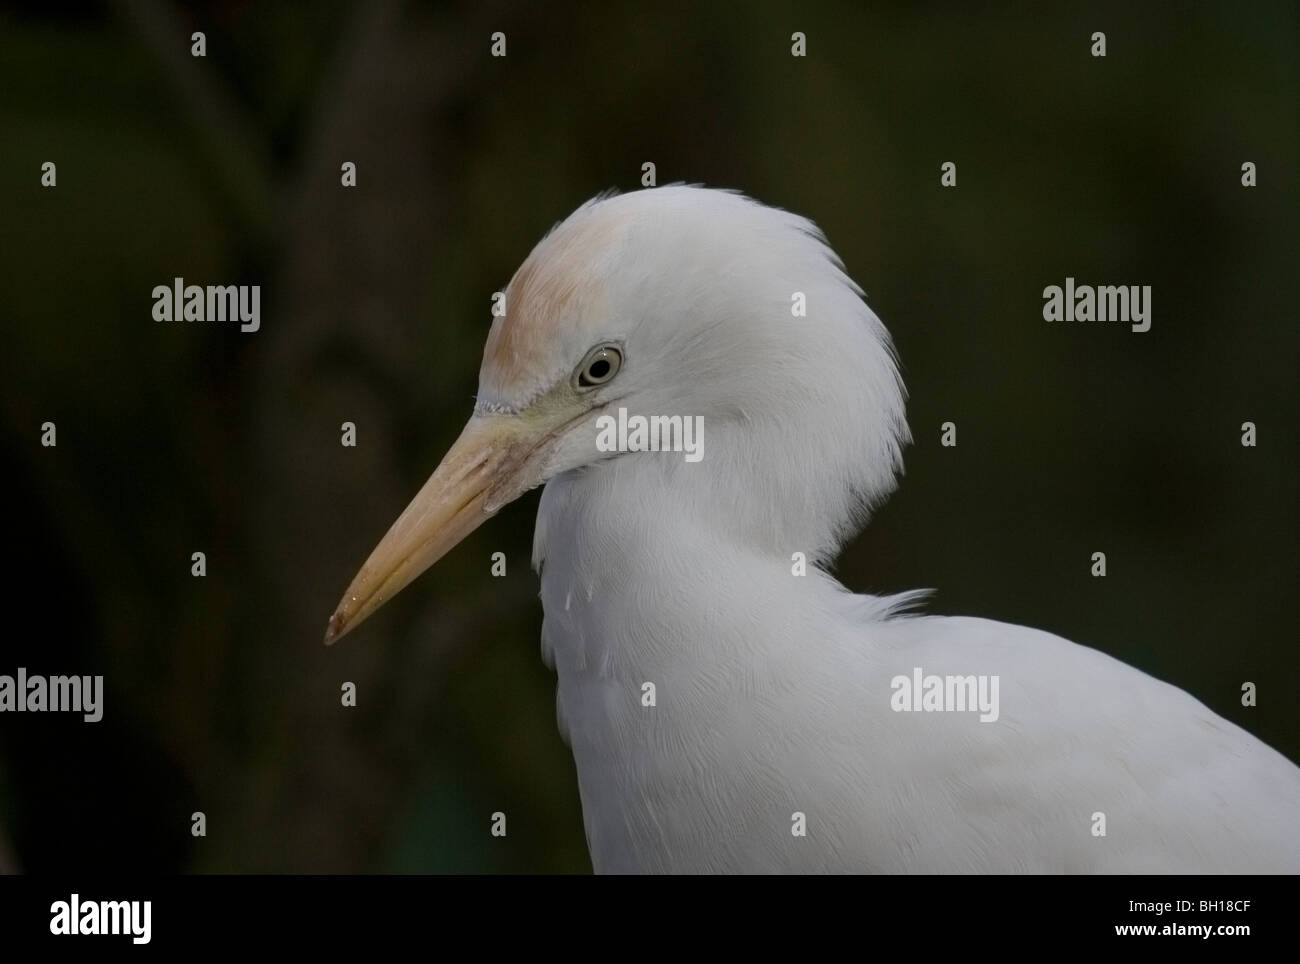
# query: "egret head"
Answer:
x=670 y=301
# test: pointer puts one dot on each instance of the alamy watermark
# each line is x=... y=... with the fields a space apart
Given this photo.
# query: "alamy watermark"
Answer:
x=945 y=694
x=57 y=694
x=654 y=433
x=1125 y=303
x=133 y=918
x=181 y=302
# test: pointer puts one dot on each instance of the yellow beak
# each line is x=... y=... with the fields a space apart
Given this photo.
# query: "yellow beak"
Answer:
x=481 y=472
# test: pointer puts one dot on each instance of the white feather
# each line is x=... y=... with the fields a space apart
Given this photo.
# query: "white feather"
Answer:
x=773 y=690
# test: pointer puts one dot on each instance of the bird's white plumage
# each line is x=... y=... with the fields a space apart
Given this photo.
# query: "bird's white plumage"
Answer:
x=773 y=691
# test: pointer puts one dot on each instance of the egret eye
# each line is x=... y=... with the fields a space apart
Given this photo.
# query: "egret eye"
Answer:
x=601 y=364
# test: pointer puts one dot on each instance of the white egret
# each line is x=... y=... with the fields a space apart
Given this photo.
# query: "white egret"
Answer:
x=781 y=736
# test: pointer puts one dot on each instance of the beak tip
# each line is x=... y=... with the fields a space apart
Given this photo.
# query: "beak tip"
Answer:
x=335 y=630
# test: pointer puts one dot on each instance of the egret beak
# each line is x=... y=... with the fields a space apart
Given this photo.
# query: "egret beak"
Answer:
x=483 y=470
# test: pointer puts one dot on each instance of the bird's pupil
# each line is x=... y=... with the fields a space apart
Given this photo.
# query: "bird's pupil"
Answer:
x=599 y=368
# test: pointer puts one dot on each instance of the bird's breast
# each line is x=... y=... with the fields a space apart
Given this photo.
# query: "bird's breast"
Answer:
x=679 y=664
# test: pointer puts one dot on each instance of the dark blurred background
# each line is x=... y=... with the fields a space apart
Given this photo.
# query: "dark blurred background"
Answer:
x=176 y=438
